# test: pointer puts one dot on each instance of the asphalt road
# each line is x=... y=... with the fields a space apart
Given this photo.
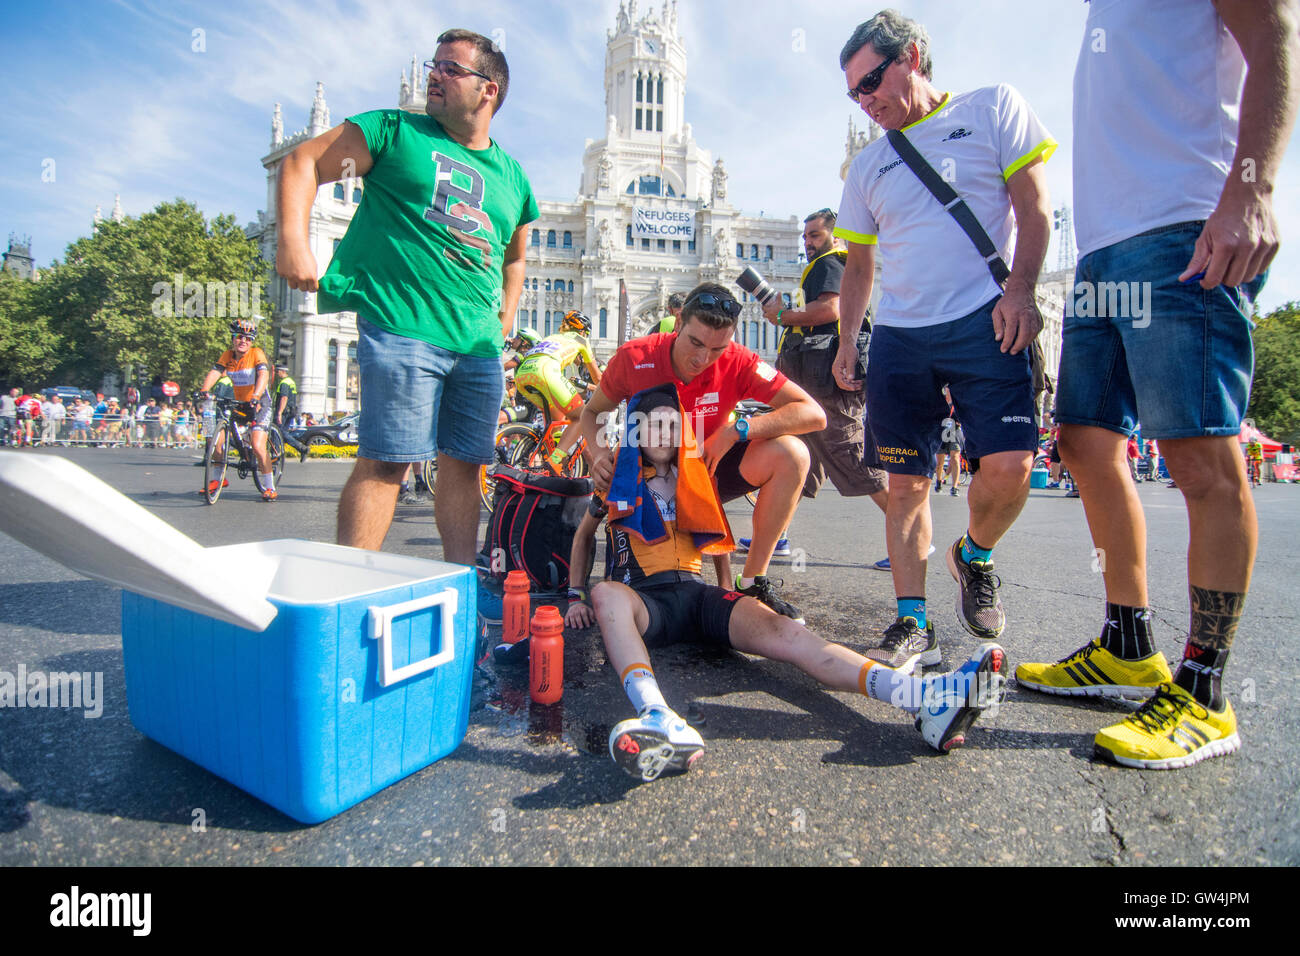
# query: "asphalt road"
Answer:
x=792 y=774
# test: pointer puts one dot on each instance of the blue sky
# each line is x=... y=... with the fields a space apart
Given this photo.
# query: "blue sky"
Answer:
x=115 y=93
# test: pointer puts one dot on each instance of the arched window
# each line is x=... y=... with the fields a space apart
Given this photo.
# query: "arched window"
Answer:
x=631 y=188
x=533 y=323
x=534 y=287
x=548 y=285
x=550 y=239
x=769 y=252
x=753 y=252
x=338 y=191
x=668 y=190
x=570 y=285
x=629 y=228
x=639 y=88
x=740 y=250
x=649 y=186
x=559 y=285
x=356 y=194
x=659 y=94
x=568 y=239
x=753 y=335
x=537 y=237
x=604 y=323
x=547 y=329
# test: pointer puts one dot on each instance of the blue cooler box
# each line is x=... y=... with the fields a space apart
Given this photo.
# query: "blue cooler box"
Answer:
x=361 y=678
x=1038 y=478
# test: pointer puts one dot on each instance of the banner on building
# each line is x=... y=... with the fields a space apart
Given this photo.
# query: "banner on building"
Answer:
x=662 y=224
x=624 y=314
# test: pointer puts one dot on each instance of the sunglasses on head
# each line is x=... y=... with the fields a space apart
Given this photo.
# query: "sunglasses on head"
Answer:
x=869 y=83
x=711 y=303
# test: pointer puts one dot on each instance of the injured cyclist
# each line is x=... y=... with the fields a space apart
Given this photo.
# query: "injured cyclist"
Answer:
x=663 y=514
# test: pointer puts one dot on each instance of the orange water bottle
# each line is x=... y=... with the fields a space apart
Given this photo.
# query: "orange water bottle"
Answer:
x=546 y=655
x=514 y=613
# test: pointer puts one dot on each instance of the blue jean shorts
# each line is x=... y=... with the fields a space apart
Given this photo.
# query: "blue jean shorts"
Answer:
x=1140 y=346
x=418 y=399
x=992 y=392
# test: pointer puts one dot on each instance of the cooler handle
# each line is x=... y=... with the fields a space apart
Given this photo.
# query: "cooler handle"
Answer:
x=381 y=629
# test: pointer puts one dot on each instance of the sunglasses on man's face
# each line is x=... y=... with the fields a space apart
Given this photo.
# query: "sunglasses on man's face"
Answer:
x=710 y=302
x=244 y=338
x=871 y=82
x=452 y=69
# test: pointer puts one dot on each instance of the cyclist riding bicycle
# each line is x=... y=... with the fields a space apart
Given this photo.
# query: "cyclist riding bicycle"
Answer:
x=541 y=377
x=1255 y=461
x=518 y=346
x=249 y=373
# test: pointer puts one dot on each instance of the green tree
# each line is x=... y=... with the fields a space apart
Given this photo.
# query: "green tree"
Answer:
x=1275 y=395
x=29 y=350
x=152 y=295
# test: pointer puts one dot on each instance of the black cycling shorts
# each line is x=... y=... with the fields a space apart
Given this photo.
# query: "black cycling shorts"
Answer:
x=688 y=612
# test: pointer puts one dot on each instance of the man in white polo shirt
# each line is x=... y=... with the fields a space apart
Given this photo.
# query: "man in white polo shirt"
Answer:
x=1182 y=113
x=942 y=319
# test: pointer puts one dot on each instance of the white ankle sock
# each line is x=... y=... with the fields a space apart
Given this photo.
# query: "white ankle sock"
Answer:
x=884 y=683
x=642 y=689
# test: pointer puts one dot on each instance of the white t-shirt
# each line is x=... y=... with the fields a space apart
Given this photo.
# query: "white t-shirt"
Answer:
x=932 y=271
x=1156 y=96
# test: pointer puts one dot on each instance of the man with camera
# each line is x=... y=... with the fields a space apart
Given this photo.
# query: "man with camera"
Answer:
x=943 y=317
x=808 y=349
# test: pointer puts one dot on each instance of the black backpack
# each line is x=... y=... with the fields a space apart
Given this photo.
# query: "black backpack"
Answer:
x=531 y=528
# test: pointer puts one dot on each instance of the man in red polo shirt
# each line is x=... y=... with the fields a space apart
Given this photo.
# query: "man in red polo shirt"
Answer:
x=712 y=373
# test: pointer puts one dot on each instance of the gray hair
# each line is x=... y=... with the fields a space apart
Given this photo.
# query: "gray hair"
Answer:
x=890 y=34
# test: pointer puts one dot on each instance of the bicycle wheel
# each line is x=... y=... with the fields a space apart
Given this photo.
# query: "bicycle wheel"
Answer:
x=275 y=448
x=429 y=474
x=525 y=449
x=214 y=464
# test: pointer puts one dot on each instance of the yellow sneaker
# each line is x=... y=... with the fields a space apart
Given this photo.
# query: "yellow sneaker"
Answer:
x=1170 y=730
x=1093 y=671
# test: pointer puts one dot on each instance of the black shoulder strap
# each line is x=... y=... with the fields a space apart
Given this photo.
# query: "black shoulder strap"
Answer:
x=954 y=204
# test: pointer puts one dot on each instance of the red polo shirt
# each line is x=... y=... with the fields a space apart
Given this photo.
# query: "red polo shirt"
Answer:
x=709 y=397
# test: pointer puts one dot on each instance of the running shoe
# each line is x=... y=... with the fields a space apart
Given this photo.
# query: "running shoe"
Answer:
x=490 y=604
x=953 y=491
x=883 y=563
x=978 y=606
x=653 y=743
x=950 y=703
x=765 y=591
x=905 y=644
x=269 y=495
x=1171 y=730
x=1093 y=671
x=408 y=498
x=212 y=485
x=782 y=546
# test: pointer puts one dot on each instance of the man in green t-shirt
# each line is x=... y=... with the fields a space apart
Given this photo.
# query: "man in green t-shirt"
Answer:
x=433 y=265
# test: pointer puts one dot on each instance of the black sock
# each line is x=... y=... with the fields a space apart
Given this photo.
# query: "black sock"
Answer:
x=1127 y=632
x=1215 y=616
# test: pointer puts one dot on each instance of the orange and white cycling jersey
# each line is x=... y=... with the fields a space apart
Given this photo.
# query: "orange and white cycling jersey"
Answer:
x=242 y=371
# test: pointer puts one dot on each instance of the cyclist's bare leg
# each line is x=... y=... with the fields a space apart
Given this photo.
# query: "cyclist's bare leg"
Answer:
x=367 y=502
x=259 y=449
x=456 y=509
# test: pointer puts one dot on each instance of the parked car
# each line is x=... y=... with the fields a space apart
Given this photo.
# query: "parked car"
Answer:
x=342 y=431
x=68 y=393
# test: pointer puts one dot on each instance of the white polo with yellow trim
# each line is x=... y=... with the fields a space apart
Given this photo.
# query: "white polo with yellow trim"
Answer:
x=932 y=272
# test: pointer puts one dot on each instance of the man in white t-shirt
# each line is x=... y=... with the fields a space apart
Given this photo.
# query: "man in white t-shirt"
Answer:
x=942 y=319
x=1182 y=113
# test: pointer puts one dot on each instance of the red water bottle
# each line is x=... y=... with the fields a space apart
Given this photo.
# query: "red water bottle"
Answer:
x=546 y=655
x=514 y=614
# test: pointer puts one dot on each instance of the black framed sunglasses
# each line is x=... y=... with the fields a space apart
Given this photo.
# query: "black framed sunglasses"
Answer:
x=452 y=69
x=710 y=303
x=869 y=83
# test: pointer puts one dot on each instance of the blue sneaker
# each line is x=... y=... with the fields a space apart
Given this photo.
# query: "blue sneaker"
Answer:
x=883 y=563
x=782 y=546
x=490 y=604
x=951 y=702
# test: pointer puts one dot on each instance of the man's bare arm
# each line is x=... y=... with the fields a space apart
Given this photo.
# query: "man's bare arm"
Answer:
x=335 y=154
x=512 y=279
x=1241 y=237
x=1016 y=319
x=820 y=311
x=794 y=412
x=855 y=294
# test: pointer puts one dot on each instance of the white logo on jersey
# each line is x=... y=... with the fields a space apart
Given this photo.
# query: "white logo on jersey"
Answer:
x=765 y=371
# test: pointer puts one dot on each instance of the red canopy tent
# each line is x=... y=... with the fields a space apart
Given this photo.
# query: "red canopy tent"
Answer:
x=1271 y=447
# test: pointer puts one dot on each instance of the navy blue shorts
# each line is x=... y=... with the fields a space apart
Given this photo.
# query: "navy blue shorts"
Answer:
x=992 y=392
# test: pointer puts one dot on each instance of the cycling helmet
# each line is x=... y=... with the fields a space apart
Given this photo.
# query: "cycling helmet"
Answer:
x=244 y=327
x=576 y=322
x=529 y=336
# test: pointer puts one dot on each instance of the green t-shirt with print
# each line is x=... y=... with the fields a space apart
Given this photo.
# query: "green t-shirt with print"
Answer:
x=422 y=256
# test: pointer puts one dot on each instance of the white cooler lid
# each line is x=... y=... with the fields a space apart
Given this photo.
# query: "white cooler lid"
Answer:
x=63 y=511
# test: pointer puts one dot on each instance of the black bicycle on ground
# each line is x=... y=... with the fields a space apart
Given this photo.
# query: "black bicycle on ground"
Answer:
x=232 y=444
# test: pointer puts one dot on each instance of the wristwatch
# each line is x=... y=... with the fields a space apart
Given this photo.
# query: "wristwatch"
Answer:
x=742 y=428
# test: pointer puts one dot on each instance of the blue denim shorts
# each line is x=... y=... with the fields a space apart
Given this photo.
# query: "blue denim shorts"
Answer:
x=417 y=398
x=992 y=391
x=1141 y=347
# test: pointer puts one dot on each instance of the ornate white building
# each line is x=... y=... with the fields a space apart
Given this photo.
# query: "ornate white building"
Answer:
x=651 y=209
